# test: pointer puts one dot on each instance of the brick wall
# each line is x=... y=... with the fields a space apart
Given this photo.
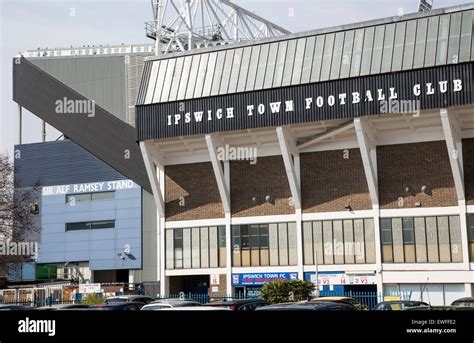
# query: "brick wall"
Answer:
x=222 y=287
x=468 y=162
x=195 y=184
x=330 y=180
x=267 y=176
x=415 y=165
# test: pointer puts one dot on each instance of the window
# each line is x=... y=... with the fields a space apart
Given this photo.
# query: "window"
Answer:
x=95 y=225
x=82 y=197
x=199 y=247
x=339 y=241
x=470 y=235
x=264 y=244
x=421 y=239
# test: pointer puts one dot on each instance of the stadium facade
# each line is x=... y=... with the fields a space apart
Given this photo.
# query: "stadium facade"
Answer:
x=346 y=152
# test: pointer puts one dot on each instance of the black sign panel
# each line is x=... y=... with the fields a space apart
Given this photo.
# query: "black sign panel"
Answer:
x=401 y=92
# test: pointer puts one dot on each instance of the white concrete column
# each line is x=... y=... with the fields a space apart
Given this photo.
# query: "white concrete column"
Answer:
x=228 y=234
x=164 y=280
x=20 y=124
x=299 y=222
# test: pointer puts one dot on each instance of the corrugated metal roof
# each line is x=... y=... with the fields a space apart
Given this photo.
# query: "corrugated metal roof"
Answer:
x=421 y=40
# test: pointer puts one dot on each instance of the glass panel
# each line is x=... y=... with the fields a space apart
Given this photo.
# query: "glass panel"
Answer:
x=318 y=242
x=377 y=51
x=308 y=59
x=359 y=241
x=454 y=38
x=213 y=242
x=397 y=240
x=442 y=49
x=367 y=51
x=347 y=54
x=317 y=58
x=432 y=239
x=420 y=240
x=186 y=248
x=102 y=196
x=169 y=249
x=78 y=226
x=176 y=78
x=455 y=238
x=270 y=68
x=152 y=82
x=229 y=58
x=105 y=224
x=73 y=198
x=178 y=248
x=280 y=64
x=222 y=247
x=369 y=240
x=349 y=246
x=292 y=248
x=337 y=55
x=167 y=81
x=328 y=243
x=253 y=68
x=388 y=48
x=195 y=248
x=211 y=66
x=204 y=247
x=244 y=69
x=357 y=52
x=273 y=238
x=421 y=31
x=431 y=41
x=184 y=78
x=216 y=81
x=308 y=243
x=289 y=61
x=283 y=244
x=339 y=242
x=409 y=51
x=159 y=81
x=327 y=57
x=386 y=230
x=201 y=76
x=299 y=57
x=443 y=236
x=408 y=230
x=234 y=75
x=192 y=76
x=262 y=63
x=466 y=36
x=398 y=46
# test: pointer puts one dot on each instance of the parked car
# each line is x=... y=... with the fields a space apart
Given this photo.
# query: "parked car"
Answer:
x=14 y=307
x=118 y=306
x=439 y=308
x=130 y=298
x=463 y=302
x=193 y=308
x=310 y=306
x=61 y=307
x=342 y=300
x=397 y=305
x=169 y=303
x=240 y=305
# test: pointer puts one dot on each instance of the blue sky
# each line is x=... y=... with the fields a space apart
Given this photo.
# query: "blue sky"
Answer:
x=29 y=24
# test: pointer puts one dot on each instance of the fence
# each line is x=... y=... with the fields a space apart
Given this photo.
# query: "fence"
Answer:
x=43 y=297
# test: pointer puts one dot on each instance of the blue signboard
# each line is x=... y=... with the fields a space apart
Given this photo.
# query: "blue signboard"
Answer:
x=258 y=279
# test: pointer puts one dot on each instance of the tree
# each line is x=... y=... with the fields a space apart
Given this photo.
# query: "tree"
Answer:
x=283 y=291
x=18 y=207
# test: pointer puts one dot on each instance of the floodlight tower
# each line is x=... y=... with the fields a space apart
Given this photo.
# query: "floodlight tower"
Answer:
x=194 y=24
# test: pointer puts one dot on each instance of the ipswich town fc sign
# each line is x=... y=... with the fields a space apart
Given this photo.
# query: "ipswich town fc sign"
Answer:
x=406 y=92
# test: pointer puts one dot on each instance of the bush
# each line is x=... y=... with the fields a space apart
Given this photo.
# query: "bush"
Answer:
x=93 y=299
x=283 y=291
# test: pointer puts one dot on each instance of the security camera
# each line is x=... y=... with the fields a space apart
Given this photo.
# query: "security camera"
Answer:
x=269 y=198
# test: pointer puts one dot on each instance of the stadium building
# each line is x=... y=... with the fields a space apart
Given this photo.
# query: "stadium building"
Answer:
x=343 y=155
